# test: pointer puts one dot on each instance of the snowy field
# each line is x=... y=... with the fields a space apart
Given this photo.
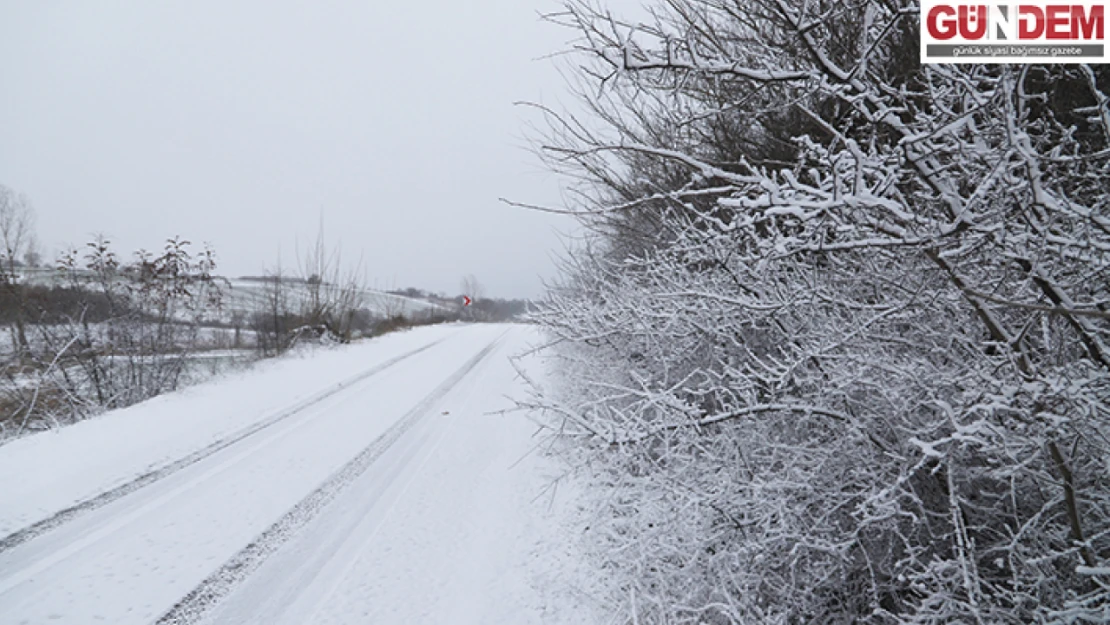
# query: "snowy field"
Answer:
x=376 y=483
x=249 y=296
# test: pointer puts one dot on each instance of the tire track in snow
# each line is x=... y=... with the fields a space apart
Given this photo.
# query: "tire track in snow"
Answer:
x=194 y=606
x=61 y=517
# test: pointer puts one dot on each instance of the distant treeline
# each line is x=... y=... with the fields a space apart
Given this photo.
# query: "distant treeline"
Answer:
x=492 y=309
x=51 y=304
x=482 y=308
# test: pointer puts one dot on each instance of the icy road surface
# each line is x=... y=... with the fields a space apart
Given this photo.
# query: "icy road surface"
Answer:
x=370 y=484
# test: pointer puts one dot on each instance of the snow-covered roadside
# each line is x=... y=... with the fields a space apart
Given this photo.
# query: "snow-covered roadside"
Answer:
x=60 y=468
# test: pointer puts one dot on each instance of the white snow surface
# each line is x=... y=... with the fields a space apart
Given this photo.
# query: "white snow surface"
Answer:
x=451 y=520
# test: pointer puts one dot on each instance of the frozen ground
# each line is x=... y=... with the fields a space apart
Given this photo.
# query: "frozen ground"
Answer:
x=371 y=484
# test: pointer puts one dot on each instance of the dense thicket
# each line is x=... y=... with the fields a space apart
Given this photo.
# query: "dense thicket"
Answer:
x=840 y=335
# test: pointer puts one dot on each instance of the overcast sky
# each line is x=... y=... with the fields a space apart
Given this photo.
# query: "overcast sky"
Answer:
x=237 y=123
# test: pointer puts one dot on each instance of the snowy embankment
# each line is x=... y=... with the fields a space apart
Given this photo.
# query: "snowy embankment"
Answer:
x=374 y=483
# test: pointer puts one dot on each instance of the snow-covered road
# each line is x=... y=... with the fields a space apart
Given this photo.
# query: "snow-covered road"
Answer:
x=377 y=484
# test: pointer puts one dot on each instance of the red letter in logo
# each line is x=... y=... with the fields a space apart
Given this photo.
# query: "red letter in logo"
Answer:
x=939 y=29
x=1057 y=16
x=980 y=19
x=1086 y=25
x=1030 y=22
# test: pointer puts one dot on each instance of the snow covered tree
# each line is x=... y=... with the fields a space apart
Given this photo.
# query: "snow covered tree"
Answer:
x=840 y=336
x=17 y=243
